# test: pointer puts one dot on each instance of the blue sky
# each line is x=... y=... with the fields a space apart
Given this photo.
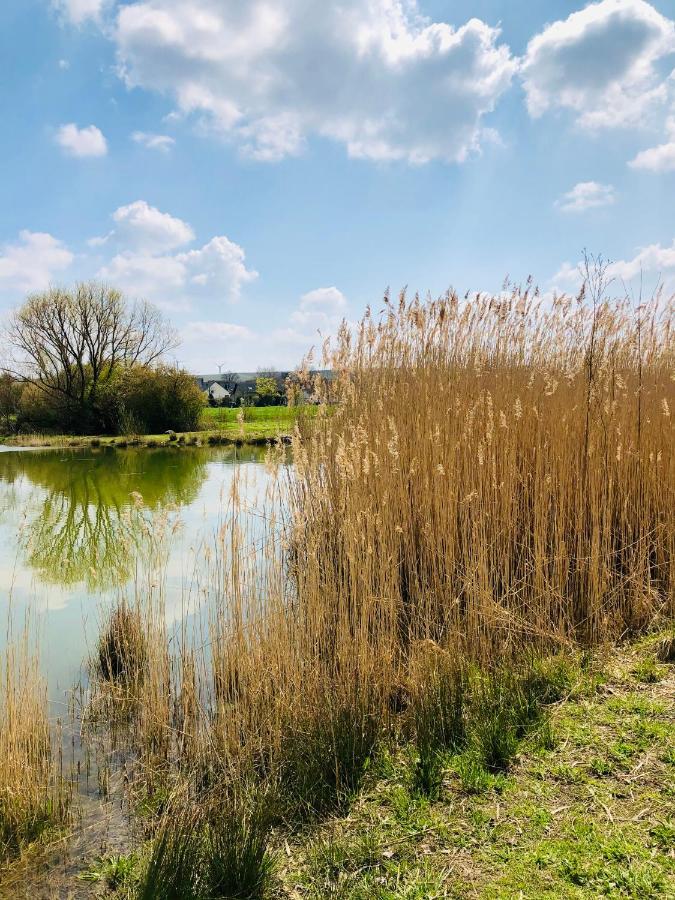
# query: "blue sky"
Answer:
x=260 y=170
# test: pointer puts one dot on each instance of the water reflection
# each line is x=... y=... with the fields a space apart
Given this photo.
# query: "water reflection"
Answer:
x=77 y=525
x=69 y=536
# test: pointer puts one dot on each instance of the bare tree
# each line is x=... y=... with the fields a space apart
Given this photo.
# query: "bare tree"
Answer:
x=70 y=344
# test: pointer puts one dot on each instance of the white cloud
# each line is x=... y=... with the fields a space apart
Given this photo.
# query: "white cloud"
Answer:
x=215 y=331
x=161 y=142
x=656 y=159
x=141 y=228
x=587 y=195
x=652 y=265
x=79 y=11
x=654 y=261
x=603 y=63
x=320 y=310
x=32 y=262
x=64 y=64
x=374 y=75
x=660 y=158
x=81 y=142
x=218 y=265
x=144 y=265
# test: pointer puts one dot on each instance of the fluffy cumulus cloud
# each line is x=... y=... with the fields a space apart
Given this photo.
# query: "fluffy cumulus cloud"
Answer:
x=81 y=142
x=319 y=311
x=143 y=228
x=161 y=142
x=146 y=261
x=608 y=63
x=660 y=158
x=32 y=262
x=374 y=75
x=656 y=262
x=649 y=268
x=587 y=195
x=79 y=11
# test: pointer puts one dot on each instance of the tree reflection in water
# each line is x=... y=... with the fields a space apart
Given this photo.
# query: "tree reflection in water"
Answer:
x=80 y=525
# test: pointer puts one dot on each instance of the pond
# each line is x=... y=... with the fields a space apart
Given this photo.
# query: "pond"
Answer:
x=69 y=538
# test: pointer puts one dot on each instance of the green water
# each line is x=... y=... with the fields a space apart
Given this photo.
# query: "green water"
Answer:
x=70 y=541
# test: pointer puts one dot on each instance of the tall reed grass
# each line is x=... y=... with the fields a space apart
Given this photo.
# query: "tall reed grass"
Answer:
x=30 y=798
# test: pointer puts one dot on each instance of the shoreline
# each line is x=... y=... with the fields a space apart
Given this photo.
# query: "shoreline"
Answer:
x=259 y=438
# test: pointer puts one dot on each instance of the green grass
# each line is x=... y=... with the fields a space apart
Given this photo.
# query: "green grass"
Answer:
x=585 y=808
x=218 y=425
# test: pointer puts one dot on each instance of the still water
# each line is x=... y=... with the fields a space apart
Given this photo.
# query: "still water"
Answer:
x=69 y=545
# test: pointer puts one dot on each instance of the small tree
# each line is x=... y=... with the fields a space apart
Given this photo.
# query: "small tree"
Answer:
x=72 y=344
x=266 y=388
x=10 y=397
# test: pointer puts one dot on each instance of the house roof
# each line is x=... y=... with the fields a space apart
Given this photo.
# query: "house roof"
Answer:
x=225 y=377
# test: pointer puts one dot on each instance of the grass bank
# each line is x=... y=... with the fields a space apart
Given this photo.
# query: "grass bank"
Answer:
x=253 y=425
x=585 y=809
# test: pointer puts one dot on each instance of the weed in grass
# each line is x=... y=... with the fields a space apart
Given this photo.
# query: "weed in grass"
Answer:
x=668 y=756
x=663 y=835
x=601 y=766
x=648 y=671
x=113 y=871
x=473 y=776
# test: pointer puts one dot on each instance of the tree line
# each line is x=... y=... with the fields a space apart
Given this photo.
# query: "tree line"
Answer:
x=89 y=361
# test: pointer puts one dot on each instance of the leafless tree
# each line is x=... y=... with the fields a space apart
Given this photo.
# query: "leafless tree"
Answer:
x=70 y=343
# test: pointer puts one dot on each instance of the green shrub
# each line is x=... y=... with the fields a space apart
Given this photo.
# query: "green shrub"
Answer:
x=159 y=398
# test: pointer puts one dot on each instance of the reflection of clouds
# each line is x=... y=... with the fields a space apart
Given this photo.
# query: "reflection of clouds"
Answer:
x=195 y=549
x=177 y=571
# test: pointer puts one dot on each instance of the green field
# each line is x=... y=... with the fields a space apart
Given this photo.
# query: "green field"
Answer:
x=260 y=424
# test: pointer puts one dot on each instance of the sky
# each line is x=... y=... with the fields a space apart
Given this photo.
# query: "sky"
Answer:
x=261 y=170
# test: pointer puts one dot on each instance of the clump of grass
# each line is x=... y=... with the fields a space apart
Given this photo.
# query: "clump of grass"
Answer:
x=473 y=776
x=211 y=847
x=439 y=700
x=325 y=754
x=121 y=651
x=665 y=649
x=648 y=671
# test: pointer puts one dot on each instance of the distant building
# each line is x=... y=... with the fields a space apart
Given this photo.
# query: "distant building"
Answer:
x=217 y=392
x=235 y=387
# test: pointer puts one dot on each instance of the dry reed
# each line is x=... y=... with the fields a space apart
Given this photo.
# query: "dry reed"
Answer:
x=489 y=481
x=28 y=799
